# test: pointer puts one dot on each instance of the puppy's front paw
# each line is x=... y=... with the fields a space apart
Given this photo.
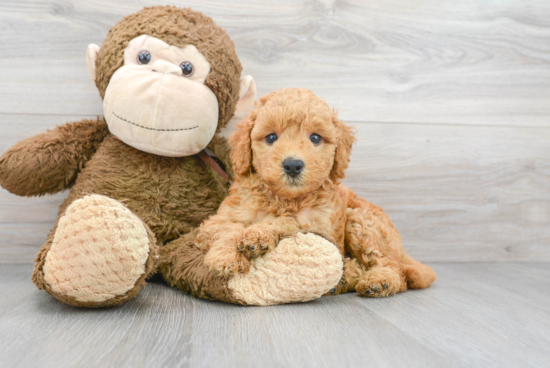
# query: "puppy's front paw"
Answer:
x=256 y=241
x=226 y=262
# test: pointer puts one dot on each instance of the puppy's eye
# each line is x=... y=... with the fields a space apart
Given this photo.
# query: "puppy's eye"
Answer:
x=315 y=139
x=270 y=139
x=144 y=57
x=187 y=68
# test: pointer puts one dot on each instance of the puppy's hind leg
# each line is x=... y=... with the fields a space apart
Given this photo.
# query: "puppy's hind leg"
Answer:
x=353 y=273
x=373 y=241
x=381 y=281
x=369 y=282
x=418 y=275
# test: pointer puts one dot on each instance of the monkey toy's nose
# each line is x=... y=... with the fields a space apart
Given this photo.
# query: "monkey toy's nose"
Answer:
x=293 y=167
x=165 y=67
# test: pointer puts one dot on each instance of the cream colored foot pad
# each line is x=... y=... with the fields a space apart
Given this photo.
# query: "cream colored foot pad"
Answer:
x=99 y=250
x=301 y=268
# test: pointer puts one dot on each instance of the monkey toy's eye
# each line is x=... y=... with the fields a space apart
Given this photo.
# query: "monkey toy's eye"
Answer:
x=270 y=139
x=315 y=139
x=144 y=57
x=187 y=68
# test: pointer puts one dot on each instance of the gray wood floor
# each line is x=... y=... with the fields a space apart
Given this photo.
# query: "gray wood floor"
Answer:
x=475 y=315
x=451 y=100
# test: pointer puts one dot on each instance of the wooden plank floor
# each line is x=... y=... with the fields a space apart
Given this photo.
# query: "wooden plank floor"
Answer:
x=475 y=315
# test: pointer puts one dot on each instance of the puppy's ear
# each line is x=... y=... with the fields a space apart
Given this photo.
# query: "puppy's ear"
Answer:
x=343 y=149
x=241 y=145
x=241 y=150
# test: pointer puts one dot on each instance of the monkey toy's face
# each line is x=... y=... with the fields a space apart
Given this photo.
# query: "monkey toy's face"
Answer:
x=157 y=101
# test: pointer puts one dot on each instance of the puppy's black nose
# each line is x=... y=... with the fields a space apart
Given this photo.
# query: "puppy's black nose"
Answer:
x=293 y=167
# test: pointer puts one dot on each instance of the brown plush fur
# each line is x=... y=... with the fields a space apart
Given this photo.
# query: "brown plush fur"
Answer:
x=170 y=195
x=265 y=204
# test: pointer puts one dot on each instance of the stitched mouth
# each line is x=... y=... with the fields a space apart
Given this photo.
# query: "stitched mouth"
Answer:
x=155 y=129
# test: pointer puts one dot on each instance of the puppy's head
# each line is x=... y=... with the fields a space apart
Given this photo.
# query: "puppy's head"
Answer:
x=293 y=141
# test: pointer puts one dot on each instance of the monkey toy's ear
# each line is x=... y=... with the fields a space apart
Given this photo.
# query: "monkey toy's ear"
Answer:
x=247 y=95
x=91 y=56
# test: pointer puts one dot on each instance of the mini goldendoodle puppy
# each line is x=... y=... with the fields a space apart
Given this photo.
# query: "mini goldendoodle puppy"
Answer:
x=289 y=156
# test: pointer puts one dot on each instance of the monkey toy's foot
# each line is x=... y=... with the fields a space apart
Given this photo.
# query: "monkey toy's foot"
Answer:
x=99 y=255
x=301 y=268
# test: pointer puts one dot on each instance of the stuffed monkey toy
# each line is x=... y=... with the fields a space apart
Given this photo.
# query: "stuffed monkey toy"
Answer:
x=139 y=178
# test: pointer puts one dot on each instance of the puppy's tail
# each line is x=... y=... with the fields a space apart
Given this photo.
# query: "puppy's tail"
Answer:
x=418 y=275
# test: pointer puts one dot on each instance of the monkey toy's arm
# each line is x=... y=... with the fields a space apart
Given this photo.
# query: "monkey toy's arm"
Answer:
x=49 y=162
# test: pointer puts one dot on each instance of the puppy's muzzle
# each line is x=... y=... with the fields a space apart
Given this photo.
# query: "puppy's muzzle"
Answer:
x=293 y=167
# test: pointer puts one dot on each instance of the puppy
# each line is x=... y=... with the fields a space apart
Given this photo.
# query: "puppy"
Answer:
x=289 y=156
